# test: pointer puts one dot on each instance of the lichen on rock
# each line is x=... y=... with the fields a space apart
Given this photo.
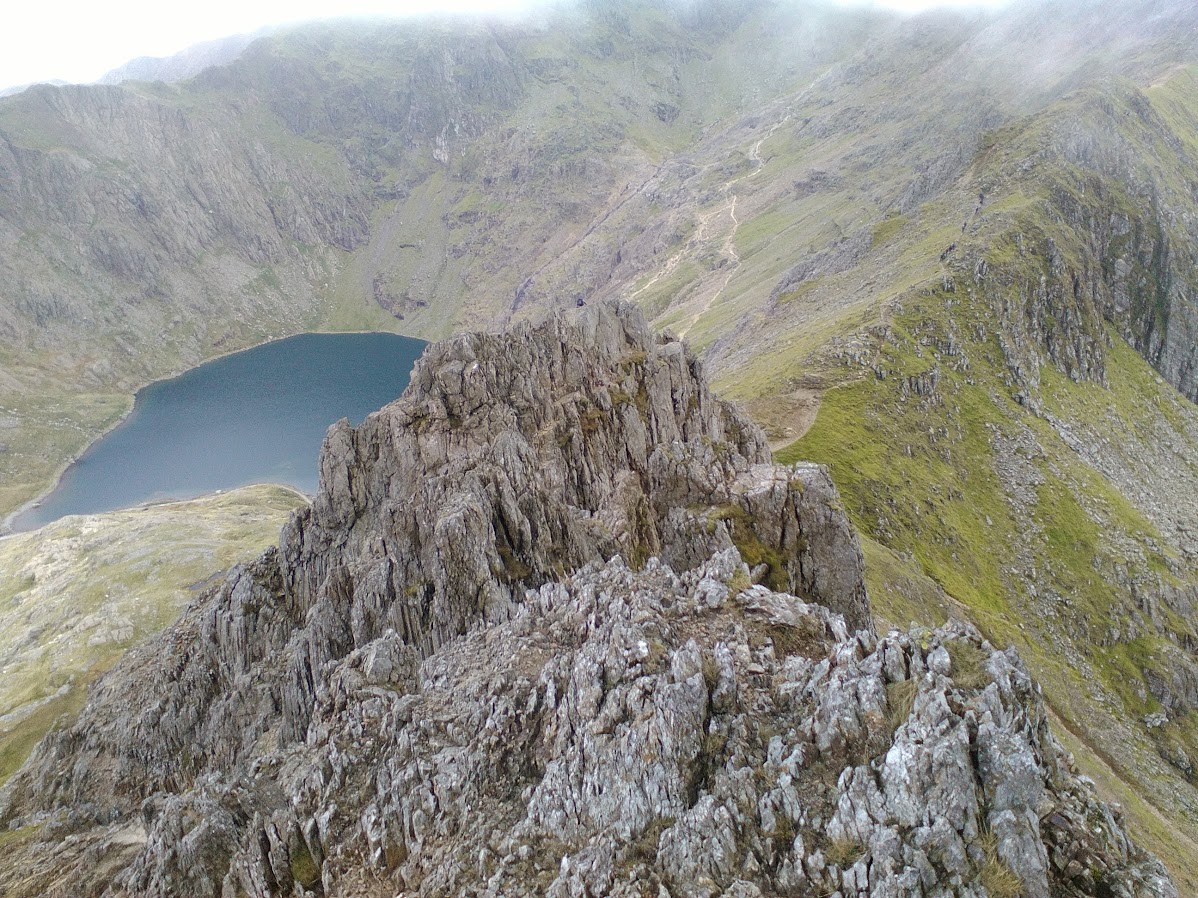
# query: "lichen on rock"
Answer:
x=514 y=648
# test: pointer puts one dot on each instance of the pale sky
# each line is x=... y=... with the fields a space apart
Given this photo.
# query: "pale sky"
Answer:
x=80 y=40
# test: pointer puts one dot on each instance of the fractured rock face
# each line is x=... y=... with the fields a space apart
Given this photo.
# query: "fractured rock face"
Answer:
x=515 y=647
x=633 y=733
x=511 y=460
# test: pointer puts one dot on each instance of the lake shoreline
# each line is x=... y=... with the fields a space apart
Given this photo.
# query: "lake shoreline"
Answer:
x=9 y=525
x=212 y=496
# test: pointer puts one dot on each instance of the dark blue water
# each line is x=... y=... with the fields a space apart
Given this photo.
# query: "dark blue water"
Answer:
x=257 y=416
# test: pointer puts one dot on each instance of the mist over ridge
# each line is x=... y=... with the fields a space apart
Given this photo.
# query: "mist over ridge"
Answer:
x=951 y=256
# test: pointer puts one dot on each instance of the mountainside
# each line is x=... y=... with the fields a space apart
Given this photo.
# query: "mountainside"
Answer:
x=950 y=256
x=78 y=593
x=393 y=176
x=185 y=64
x=448 y=680
x=714 y=160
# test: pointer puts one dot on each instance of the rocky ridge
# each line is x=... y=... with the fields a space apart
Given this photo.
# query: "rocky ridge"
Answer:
x=516 y=646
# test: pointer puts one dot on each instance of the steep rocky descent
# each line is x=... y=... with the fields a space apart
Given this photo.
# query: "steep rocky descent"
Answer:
x=641 y=733
x=1098 y=227
x=510 y=460
x=648 y=734
x=382 y=703
x=447 y=681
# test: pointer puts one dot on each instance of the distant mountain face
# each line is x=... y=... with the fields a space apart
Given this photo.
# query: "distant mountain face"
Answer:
x=17 y=88
x=428 y=176
x=396 y=175
x=970 y=236
x=186 y=63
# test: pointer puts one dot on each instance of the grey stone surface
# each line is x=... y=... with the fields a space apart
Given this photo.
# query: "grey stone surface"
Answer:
x=468 y=671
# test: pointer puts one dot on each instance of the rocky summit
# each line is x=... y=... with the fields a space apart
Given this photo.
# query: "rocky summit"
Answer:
x=555 y=625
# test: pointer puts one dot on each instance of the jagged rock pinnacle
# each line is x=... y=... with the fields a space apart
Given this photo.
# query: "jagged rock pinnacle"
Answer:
x=554 y=624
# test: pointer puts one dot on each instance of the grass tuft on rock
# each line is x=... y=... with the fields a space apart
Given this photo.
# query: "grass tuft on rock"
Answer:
x=968 y=664
x=900 y=702
x=844 y=852
x=994 y=874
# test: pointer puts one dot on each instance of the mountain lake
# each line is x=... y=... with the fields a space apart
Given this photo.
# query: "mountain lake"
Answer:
x=251 y=417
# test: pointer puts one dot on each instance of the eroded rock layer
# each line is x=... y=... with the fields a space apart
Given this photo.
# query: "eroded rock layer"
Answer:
x=555 y=625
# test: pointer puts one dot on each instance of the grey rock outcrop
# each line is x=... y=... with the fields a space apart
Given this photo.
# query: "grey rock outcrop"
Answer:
x=1113 y=253
x=510 y=461
x=645 y=733
x=515 y=647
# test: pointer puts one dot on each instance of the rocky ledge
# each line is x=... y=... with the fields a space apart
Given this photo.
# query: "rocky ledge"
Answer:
x=555 y=625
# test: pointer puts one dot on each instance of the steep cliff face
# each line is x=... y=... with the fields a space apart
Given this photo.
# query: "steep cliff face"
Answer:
x=516 y=646
x=1102 y=231
x=1102 y=251
x=187 y=63
x=127 y=191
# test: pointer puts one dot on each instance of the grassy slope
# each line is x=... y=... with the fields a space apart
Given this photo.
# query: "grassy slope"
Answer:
x=937 y=521
x=75 y=594
x=1028 y=501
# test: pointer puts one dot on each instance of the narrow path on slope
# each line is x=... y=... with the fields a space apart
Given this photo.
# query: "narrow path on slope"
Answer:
x=729 y=246
x=797 y=411
x=632 y=190
x=1110 y=781
x=672 y=263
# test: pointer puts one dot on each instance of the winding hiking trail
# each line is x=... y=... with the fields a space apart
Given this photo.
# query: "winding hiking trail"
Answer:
x=700 y=237
x=728 y=248
x=705 y=223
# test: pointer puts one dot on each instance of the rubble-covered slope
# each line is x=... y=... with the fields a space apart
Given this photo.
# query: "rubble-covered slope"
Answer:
x=514 y=647
x=1018 y=430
